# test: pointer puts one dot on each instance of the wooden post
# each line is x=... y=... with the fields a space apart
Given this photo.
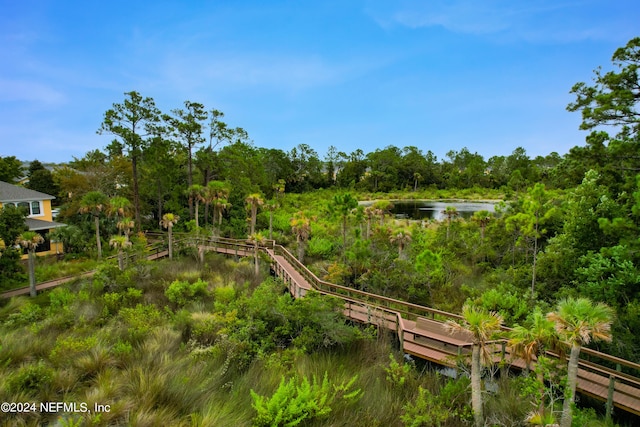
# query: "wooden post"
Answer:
x=503 y=352
x=400 y=333
x=612 y=384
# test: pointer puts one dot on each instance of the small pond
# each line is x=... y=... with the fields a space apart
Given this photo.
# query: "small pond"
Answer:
x=429 y=209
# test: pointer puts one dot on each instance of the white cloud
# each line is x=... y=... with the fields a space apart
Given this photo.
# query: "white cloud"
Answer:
x=541 y=21
x=457 y=16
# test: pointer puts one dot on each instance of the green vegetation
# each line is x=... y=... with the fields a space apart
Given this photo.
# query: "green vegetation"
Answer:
x=201 y=340
x=218 y=345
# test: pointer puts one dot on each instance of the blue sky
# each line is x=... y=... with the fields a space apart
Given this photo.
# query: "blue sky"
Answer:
x=439 y=75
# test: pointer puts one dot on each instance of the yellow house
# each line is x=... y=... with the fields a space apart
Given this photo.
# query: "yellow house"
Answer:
x=39 y=215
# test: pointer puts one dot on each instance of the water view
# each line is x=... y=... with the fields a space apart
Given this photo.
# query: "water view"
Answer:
x=429 y=209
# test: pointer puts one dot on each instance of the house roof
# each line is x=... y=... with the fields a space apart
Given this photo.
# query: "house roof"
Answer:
x=15 y=193
x=38 y=224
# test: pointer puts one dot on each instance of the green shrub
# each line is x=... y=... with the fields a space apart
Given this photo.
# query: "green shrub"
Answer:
x=427 y=410
x=205 y=327
x=140 y=320
x=224 y=294
x=114 y=301
x=122 y=348
x=397 y=374
x=320 y=247
x=180 y=292
x=456 y=395
x=31 y=378
x=60 y=299
x=28 y=314
x=506 y=300
x=434 y=409
x=70 y=347
x=293 y=402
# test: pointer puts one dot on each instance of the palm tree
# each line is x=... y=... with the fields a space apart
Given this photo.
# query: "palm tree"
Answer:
x=342 y=205
x=578 y=321
x=125 y=225
x=401 y=238
x=483 y=326
x=119 y=207
x=416 y=178
x=369 y=213
x=168 y=221
x=93 y=203
x=257 y=239
x=196 y=193
x=382 y=208
x=220 y=206
x=120 y=243
x=30 y=240
x=279 y=188
x=271 y=206
x=529 y=344
x=216 y=193
x=450 y=212
x=253 y=202
x=301 y=227
x=482 y=218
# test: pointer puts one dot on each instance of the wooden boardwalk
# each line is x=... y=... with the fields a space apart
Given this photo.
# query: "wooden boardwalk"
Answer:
x=420 y=333
x=154 y=255
x=419 y=329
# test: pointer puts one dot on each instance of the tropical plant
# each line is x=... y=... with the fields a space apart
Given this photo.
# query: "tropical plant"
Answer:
x=30 y=240
x=578 y=321
x=168 y=221
x=369 y=212
x=450 y=212
x=257 y=239
x=483 y=326
x=529 y=344
x=296 y=401
x=301 y=228
x=271 y=206
x=482 y=218
x=120 y=243
x=400 y=238
x=93 y=203
x=125 y=225
x=253 y=201
x=119 y=207
x=342 y=205
x=196 y=192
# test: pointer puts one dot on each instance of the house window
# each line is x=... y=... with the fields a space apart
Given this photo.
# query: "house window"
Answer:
x=35 y=208
x=31 y=208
